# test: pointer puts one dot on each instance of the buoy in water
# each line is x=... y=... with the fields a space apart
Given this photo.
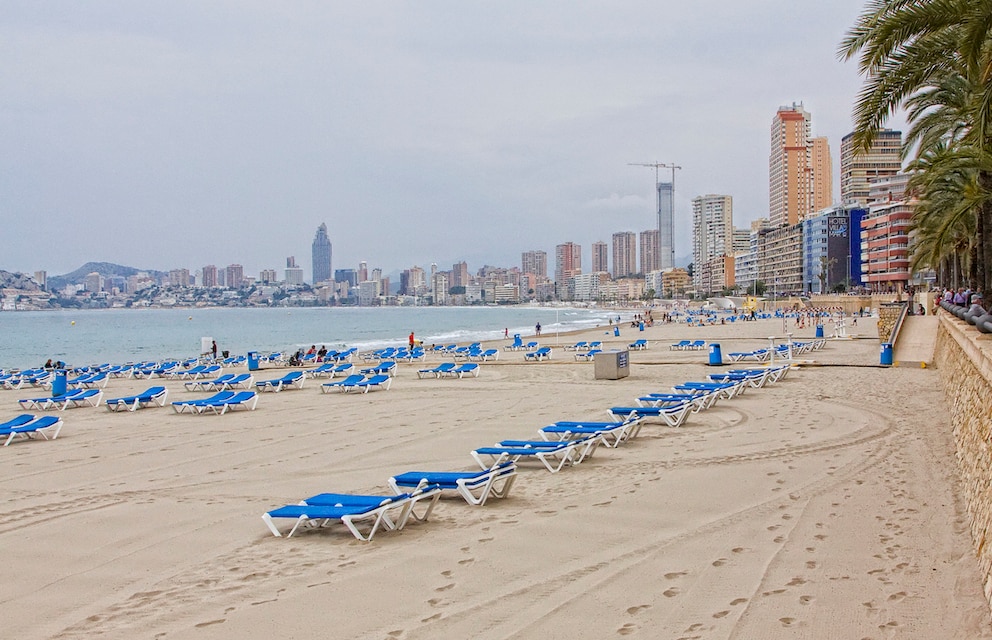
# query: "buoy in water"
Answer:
x=73 y=323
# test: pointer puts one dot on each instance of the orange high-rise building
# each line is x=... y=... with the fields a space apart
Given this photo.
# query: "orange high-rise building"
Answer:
x=800 y=180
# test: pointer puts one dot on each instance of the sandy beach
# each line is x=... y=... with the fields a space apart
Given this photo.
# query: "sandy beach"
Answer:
x=823 y=506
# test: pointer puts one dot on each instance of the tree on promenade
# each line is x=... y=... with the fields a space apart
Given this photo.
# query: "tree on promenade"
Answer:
x=933 y=58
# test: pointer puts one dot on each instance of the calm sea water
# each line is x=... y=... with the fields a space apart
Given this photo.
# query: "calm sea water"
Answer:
x=127 y=335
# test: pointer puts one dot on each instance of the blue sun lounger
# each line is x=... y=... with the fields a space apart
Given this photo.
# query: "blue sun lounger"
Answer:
x=78 y=398
x=193 y=406
x=217 y=384
x=325 y=370
x=435 y=372
x=241 y=400
x=152 y=396
x=587 y=356
x=544 y=353
x=673 y=415
x=89 y=381
x=292 y=380
x=613 y=433
x=388 y=368
x=354 y=511
x=700 y=400
x=474 y=486
x=381 y=381
x=553 y=455
x=342 y=385
x=462 y=370
x=27 y=426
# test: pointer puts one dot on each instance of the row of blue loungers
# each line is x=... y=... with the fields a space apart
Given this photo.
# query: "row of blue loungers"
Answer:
x=562 y=444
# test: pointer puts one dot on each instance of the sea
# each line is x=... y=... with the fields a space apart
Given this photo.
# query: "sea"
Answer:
x=115 y=336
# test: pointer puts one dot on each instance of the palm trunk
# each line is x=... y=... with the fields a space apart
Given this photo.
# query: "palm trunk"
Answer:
x=984 y=235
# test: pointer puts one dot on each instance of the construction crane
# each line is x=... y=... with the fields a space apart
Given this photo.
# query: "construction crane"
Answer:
x=671 y=223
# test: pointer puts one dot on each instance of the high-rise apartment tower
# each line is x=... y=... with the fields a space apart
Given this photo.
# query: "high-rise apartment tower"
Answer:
x=650 y=259
x=321 y=255
x=799 y=175
x=535 y=262
x=568 y=262
x=859 y=168
x=712 y=231
x=624 y=254
x=600 y=257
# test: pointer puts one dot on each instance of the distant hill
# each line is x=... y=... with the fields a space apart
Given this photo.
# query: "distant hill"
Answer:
x=105 y=269
x=20 y=281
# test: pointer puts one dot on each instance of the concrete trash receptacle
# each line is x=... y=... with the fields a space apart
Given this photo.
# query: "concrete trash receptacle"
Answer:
x=611 y=365
x=253 y=361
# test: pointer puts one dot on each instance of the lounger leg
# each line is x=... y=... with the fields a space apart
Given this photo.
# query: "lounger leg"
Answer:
x=267 y=519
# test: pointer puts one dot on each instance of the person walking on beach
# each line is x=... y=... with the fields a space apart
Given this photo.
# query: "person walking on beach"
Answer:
x=412 y=341
x=506 y=332
x=538 y=329
x=213 y=348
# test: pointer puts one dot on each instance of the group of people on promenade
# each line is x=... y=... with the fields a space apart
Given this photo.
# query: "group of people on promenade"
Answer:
x=962 y=297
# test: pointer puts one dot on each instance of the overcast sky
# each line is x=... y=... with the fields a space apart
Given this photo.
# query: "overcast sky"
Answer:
x=183 y=133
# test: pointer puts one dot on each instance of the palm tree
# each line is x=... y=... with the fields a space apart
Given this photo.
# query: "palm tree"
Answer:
x=934 y=58
x=824 y=276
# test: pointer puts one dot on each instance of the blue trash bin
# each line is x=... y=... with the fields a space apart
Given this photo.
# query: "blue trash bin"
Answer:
x=819 y=331
x=616 y=331
x=886 y=358
x=59 y=383
x=716 y=356
x=253 y=361
x=642 y=326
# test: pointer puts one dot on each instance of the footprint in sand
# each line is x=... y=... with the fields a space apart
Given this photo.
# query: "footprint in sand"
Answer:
x=436 y=616
x=737 y=601
x=675 y=574
x=209 y=622
x=805 y=599
x=450 y=585
x=795 y=582
x=671 y=592
x=638 y=609
x=739 y=549
x=720 y=614
x=719 y=562
x=899 y=596
x=778 y=539
x=810 y=564
x=627 y=629
x=787 y=622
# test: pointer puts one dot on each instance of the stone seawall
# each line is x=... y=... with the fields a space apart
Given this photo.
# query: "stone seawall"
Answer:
x=964 y=358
